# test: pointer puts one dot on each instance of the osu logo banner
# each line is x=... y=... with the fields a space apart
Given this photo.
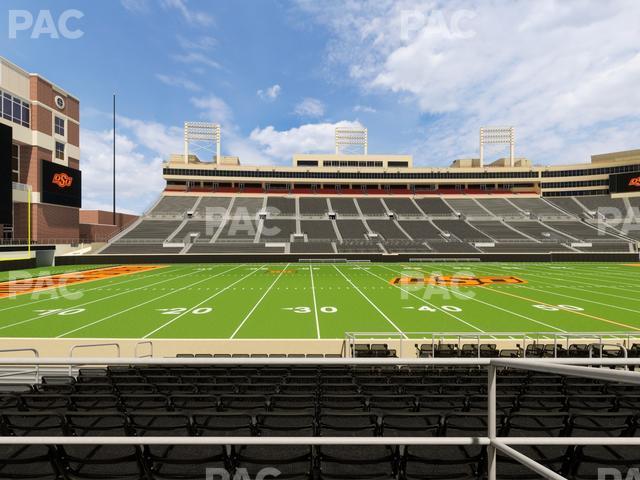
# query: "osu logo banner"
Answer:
x=457 y=281
x=634 y=182
x=62 y=180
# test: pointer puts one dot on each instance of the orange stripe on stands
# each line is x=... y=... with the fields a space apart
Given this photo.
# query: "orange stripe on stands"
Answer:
x=571 y=311
x=38 y=284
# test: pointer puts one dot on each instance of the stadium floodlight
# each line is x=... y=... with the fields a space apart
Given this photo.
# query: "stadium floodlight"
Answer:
x=498 y=136
x=201 y=135
x=348 y=138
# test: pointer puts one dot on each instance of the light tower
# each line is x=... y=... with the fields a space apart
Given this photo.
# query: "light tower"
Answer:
x=498 y=136
x=348 y=138
x=201 y=136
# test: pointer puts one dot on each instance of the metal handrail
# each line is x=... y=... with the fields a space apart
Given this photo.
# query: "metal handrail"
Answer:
x=146 y=342
x=36 y=354
x=92 y=345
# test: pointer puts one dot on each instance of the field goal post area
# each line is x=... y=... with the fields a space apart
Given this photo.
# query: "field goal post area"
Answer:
x=407 y=344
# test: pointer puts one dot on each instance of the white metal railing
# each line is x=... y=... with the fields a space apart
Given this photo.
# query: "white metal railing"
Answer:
x=35 y=371
x=565 y=366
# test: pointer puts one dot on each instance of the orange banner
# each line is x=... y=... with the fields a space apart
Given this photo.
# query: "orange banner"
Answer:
x=37 y=284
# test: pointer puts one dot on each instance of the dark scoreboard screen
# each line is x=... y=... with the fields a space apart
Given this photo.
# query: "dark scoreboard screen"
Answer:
x=625 y=182
x=6 y=174
x=61 y=185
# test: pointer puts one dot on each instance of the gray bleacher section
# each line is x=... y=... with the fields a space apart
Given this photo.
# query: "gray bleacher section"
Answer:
x=351 y=229
x=358 y=247
x=312 y=247
x=525 y=247
x=128 y=249
x=371 y=207
x=281 y=206
x=467 y=207
x=537 y=230
x=606 y=247
x=213 y=206
x=386 y=228
x=249 y=206
x=579 y=230
x=152 y=230
x=239 y=229
x=496 y=230
x=343 y=206
x=318 y=229
x=420 y=229
x=406 y=247
x=461 y=229
x=172 y=205
x=568 y=204
x=434 y=207
x=452 y=247
x=500 y=207
x=537 y=207
x=311 y=206
x=205 y=229
x=278 y=230
x=235 y=247
x=402 y=206
x=593 y=203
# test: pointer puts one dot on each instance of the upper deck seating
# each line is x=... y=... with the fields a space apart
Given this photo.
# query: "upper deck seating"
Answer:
x=343 y=206
x=312 y=206
x=579 y=230
x=173 y=205
x=281 y=206
x=213 y=207
x=461 y=229
x=371 y=207
x=468 y=207
x=434 y=206
x=538 y=207
x=387 y=228
x=318 y=229
x=568 y=204
x=402 y=206
x=500 y=207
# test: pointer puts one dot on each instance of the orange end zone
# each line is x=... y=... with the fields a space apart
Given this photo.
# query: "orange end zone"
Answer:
x=632 y=264
x=457 y=281
x=31 y=285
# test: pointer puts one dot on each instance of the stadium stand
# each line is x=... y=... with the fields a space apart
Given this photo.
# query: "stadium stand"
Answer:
x=281 y=206
x=152 y=230
x=496 y=230
x=537 y=206
x=402 y=207
x=461 y=229
x=420 y=229
x=500 y=207
x=434 y=207
x=265 y=400
x=468 y=207
x=343 y=206
x=352 y=229
x=318 y=229
x=387 y=228
x=277 y=230
x=371 y=207
x=313 y=207
x=173 y=206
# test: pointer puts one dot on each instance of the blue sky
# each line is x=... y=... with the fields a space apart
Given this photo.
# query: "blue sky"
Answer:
x=422 y=76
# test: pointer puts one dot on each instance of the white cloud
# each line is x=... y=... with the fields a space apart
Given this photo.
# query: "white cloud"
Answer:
x=558 y=71
x=138 y=176
x=173 y=81
x=191 y=16
x=197 y=58
x=201 y=43
x=364 y=109
x=309 y=107
x=270 y=93
x=308 y=138
x=136 y=6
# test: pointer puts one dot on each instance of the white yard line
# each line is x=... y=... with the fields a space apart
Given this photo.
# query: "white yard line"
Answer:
x=595 y=277
x=496 y=307
x=315 y=303
x=258 y=302
x=580 y=299
x=104 y=285
x=204 y=301
x=145 y=303
x=370 y=302
x=96 y=300
x=427 y=303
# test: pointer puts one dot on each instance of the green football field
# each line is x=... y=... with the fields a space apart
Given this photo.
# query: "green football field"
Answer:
x=326 y=300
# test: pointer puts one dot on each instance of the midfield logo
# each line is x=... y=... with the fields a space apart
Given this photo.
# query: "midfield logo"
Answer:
x=457 y=281
x=62 y=180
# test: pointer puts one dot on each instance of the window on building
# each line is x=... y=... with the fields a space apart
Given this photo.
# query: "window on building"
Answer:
x=59 y=126
x=15 y=163
x=59 y=151
x=14 y=109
